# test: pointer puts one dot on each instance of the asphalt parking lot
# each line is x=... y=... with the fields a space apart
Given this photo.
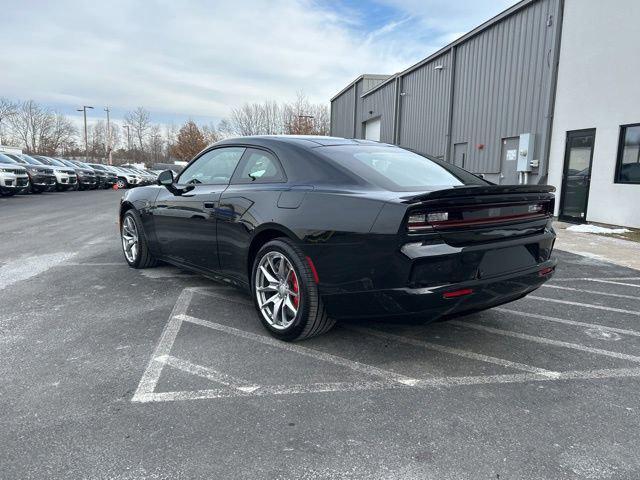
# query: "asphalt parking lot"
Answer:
x=109 y=372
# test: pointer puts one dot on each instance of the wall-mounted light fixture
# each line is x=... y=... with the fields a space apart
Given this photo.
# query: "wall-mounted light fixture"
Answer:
x=439 y=67
x=402 y=94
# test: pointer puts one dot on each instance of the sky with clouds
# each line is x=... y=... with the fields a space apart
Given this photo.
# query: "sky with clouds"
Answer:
x=199 y=59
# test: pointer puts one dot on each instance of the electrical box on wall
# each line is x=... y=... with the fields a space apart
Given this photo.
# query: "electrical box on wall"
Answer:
x=525 y=152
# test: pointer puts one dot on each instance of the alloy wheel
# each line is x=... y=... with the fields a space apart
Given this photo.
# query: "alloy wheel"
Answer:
x=121 y=184
x=277 y=290
x=130 y=239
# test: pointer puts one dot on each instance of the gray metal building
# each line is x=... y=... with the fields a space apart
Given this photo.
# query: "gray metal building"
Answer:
x=484 y=102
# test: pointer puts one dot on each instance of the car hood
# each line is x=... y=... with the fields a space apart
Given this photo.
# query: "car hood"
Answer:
x=13 y=166
x=63 y=169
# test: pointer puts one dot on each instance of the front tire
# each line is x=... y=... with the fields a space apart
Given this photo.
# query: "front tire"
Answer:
x=286 y=294
x=134 y=242
x=122 y=183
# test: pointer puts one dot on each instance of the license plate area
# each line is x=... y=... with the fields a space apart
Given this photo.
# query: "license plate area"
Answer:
x=506 y=260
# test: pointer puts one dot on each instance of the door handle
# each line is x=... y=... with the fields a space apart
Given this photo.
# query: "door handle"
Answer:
x=210 y=205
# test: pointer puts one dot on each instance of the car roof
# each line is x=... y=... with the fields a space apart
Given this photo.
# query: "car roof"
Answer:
x=309 y=141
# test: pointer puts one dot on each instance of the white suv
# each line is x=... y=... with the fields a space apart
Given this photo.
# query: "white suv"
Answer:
x=13 y=178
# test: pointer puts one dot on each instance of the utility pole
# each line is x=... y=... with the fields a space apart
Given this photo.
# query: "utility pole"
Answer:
x=128 y=138
x=86 y=141
x=109 y=160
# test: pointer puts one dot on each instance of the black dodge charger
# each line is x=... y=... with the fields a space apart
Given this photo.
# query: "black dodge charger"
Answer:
x=320 y=229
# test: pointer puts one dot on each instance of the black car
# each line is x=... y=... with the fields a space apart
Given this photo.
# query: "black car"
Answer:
x=41 y=177
x=321 y=228
x=86 y=177
x=110 y=178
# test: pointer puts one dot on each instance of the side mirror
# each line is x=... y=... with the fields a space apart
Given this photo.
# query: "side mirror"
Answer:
x=165 y=178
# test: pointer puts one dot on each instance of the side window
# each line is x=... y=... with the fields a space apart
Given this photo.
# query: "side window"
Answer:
x=214 y=167
x=259 y=166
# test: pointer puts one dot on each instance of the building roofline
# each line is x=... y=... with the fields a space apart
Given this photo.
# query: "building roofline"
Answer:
x=361 y=77
x=438 y=53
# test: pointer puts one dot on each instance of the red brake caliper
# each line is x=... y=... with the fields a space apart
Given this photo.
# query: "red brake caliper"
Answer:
x=295 y=288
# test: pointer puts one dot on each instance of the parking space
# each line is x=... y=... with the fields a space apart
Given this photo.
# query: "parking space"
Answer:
x=110 y=372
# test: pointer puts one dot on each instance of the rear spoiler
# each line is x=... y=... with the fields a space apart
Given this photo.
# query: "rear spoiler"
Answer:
x=473 y=190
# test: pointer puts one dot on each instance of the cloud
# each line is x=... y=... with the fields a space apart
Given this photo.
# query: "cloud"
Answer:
x=200 y=58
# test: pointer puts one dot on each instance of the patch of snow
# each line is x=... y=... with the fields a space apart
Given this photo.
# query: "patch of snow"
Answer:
x=596 y=229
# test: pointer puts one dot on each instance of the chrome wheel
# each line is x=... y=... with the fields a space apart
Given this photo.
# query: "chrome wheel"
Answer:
x=130 y=242
x=277 y=290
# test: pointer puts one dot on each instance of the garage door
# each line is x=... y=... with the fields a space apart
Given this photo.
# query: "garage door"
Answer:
x=372 y=130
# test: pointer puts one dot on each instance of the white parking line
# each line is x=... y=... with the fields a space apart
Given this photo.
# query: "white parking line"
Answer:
x=208 y=292
x=587 y=305
x=234 y=387
x=612 y=281
x=617 y=295
x=318 y=355
x=99 y=264
x=152 y=373
x=265 y=390
x=529 y=377
x=437 y=382
x=576 y=323
x=546 y=341
x=453 y=351
x=209 y=373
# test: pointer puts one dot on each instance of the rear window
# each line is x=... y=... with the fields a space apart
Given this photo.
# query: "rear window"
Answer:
x=397 y=169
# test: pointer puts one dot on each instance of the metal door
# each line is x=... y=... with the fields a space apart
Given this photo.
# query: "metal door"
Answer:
x=576 y=176
x=372 y=130
x=509 y=161
x=460 y=154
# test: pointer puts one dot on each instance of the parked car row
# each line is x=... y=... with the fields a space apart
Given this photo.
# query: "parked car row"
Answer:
x=22 y=173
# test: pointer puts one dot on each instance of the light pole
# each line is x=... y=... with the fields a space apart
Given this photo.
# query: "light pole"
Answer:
x=128 y=138
x=86 y=141
x=106 y=109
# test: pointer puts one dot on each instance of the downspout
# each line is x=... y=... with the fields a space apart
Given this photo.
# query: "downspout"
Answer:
x=398 y=111
x=396 y=99
x=355 y=108
x=452 y=84
x=544 y=161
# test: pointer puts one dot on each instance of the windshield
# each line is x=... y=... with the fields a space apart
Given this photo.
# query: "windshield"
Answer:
x=56 y=162
x=5 y=159
x=97 y=167
x=31 y=160
x=397 y=169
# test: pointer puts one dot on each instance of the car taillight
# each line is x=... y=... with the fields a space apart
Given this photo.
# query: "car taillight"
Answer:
x=470 y=215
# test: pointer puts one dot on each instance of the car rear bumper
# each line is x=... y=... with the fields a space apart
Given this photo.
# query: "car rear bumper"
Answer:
x=430 y=303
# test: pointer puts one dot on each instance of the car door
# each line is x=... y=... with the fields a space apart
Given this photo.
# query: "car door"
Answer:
x=250 y=200
x=185 y=221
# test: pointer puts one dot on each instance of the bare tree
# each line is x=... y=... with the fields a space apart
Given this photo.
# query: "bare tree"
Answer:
x=299 y=117
x=7 y=109
x=171 y=137
x=210 y=133
x=156 y=143
x=304 y=118
x=40 y=130
x=59 y=134
x=139 y=122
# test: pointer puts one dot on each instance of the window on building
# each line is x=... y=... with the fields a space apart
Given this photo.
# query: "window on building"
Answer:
x=628 y=166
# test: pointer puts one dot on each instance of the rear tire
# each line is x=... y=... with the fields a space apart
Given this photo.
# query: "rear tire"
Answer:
x=134 y=241
x=311 y=318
